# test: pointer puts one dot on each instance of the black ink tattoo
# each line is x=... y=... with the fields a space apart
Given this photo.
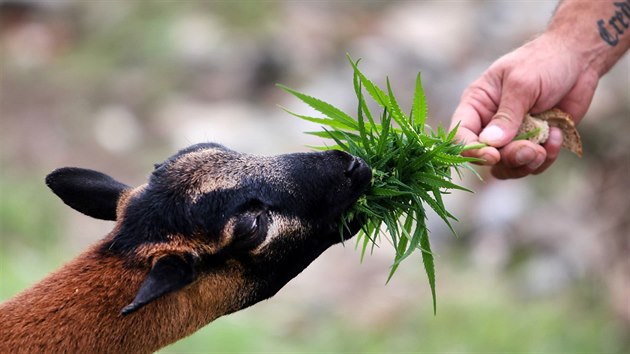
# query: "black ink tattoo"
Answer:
x=617 y=24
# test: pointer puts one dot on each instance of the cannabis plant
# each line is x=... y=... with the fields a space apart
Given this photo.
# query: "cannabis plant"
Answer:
x=412 y=166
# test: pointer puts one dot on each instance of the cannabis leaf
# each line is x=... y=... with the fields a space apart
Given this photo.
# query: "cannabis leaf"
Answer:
x=411 y=166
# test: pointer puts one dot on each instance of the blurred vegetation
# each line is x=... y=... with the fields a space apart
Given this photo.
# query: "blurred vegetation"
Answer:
x=29 y=225
x=485 y=320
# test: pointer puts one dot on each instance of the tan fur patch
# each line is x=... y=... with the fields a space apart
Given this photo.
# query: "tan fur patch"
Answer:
x=280 y=226
x=178 y=245
x=124 y=199
x=209 y=170
x=77 y=309
x=205 y=171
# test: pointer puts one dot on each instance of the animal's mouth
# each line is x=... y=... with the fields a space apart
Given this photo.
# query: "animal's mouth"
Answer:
x=360 y=176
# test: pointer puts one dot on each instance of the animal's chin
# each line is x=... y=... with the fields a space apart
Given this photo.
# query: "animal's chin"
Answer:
x=353 y=227
x=360 y=176
x=338 y=232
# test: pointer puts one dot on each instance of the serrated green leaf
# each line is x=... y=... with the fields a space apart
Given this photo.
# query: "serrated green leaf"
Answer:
x=452 y=159
x=377 y=94
x=362 y=107
x=324 y=121
x=323 y=107
x=411 y=167
x=385 y=129
x=419 y=106
x=339 y=141
x=397 y=114
x=437 y=207
x=328 y=134
x=435 y=181
x=429 y=266
x=453 y=132
x=383 y=192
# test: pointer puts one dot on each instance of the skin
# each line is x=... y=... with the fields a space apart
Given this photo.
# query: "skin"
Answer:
x=560 y=68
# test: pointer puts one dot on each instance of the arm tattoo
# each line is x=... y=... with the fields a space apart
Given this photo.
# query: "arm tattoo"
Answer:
x=616 y=25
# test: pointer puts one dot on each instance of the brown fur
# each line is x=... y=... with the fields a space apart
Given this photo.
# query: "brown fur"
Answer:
x=139 y=289
x=90 y=292
x=176 y=245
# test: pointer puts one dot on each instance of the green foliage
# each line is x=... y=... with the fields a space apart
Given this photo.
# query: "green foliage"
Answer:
x=29 y=222
x=27 y=214
x=411 y=164
x=488 y=318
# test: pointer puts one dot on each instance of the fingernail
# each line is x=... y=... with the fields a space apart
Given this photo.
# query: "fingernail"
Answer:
x=491 y=135
x=487 y=159
x=555 y=137
x=525 y=156
x=536 y=163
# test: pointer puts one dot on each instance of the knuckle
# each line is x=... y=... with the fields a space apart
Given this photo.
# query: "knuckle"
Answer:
x=520 y=83
x=506 y=115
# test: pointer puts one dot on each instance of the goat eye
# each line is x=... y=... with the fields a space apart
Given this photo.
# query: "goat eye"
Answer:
x=248 y=231
x=254 y=226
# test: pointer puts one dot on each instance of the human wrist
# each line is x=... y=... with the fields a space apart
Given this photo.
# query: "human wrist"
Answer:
x=599 y=37
x=584 y=56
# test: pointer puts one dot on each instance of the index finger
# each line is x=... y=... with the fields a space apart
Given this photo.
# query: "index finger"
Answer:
x=468 y=122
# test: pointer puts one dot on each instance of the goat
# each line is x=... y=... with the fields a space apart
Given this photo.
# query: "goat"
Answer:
x=212 y=232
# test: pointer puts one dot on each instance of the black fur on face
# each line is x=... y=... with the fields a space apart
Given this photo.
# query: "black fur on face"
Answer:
x=210 y=211
x=271 y=209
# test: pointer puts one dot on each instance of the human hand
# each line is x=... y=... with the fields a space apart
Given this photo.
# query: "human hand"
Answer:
x=536 y=77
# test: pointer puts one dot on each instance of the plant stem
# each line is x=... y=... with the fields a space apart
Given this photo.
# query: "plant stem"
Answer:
x=474 y=146
x=522 y=136
x=529 y=134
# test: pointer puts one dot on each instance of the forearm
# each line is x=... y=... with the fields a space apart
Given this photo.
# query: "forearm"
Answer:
x=597 y=30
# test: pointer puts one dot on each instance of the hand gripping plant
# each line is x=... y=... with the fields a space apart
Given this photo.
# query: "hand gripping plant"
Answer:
x=411 y=164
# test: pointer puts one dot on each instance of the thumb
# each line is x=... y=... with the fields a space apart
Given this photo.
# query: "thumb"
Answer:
x=502 y=128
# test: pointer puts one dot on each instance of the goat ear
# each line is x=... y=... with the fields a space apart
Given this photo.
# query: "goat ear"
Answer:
x=90 y=192
x=168 y=274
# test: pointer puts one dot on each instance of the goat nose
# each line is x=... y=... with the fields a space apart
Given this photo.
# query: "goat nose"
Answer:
x=354 y=164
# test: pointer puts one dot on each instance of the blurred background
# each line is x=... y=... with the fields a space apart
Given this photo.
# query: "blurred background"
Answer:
x=539 y=265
